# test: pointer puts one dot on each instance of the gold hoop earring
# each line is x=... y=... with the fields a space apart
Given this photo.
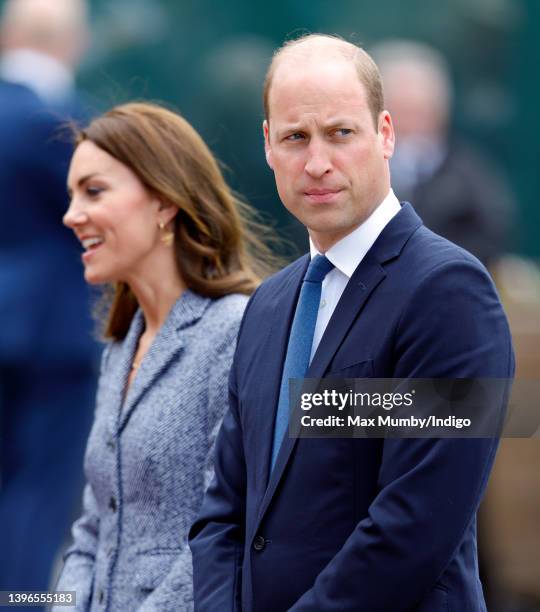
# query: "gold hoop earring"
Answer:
x=167 y=236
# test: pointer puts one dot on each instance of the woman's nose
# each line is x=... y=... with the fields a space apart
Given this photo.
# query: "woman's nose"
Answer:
x=74 y=216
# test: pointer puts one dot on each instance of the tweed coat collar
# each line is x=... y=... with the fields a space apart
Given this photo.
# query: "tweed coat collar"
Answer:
x=167 y=345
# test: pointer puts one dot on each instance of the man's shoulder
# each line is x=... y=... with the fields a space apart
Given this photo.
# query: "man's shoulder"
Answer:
x=266 y=298
x=15 y=92
x=427 y=252
x=284 y=275
x=19 y=101
x=23 y=108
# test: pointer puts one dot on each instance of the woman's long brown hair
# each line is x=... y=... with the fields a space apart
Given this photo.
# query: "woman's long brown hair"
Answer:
x=218 y=244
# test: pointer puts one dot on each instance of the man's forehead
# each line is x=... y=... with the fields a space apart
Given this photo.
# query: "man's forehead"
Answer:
x=298 y=62
x=333 y=82
x=319 y=47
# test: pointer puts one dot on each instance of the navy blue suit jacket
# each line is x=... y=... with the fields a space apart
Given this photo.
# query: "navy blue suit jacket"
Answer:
x=44 y=299
x=47 y=352
x=363 y=524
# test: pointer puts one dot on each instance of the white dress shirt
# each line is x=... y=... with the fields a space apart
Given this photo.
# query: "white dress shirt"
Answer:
x=44 y=75
x=346 y=255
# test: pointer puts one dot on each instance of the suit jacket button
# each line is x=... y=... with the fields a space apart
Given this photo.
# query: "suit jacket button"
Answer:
x=101 y=596
x=112 y=504
x=259 y=543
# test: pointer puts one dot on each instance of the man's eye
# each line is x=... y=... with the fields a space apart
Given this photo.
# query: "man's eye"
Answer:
x=343 y=131
x=294 y=137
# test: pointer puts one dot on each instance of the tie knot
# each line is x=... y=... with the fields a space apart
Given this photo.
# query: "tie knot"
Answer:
x=318 y=269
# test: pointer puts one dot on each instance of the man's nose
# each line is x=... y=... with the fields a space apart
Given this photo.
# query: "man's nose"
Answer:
x=319 y=160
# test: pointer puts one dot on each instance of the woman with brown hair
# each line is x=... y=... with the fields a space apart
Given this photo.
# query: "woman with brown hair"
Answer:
x=158 y=223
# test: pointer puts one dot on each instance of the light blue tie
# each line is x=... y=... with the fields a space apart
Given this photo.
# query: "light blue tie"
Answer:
x=300 y=342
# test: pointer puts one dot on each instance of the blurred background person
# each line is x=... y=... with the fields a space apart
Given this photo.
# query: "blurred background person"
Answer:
x=47 y=354
x=459 y=194
x=454 y=189
x=157 y=222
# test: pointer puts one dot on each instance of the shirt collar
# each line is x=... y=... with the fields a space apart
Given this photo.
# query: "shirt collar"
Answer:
x=349 y=251
x=43 y=74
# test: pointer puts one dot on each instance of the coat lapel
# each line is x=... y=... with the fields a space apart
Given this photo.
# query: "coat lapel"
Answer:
x=363 y=282
x=349 y=306
x=166 y=347
x=119 y=363
x=282 y=307
x=367 y=276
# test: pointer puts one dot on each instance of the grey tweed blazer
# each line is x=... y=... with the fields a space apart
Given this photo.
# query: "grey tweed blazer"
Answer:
x=149 y=458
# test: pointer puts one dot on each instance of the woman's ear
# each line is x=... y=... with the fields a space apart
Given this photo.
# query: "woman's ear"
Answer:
x=166 y=212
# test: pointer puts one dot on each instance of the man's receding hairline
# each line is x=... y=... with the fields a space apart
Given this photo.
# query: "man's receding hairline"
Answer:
x=323 y=47
x=288 y=55
x=312 y=62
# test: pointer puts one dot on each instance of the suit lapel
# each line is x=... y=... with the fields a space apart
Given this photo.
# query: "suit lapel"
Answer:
x=119 y=363
x=367 y=276
x=363 y=282
x=282 y=307
x=354 y=297
x=167 y=345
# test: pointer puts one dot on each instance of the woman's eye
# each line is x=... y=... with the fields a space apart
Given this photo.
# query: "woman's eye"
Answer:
x=93 y=191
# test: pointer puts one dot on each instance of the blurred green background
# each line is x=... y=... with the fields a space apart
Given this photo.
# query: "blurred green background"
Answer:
x=207 y=59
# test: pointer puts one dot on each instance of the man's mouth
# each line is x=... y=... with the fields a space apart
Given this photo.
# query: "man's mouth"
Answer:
x=322 y=195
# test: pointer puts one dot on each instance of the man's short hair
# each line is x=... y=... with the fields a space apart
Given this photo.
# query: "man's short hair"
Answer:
x=327 y=45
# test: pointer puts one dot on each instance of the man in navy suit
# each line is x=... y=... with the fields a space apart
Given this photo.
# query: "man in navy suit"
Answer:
x=348 y=524
x=47 y=353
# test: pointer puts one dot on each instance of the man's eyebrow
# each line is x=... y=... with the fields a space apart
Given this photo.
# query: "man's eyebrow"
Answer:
x=339 y=121
x=300 y=127
x=290 y=127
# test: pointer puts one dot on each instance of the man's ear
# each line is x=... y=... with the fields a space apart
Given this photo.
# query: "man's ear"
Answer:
x=386 y=134
x=267 y=147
